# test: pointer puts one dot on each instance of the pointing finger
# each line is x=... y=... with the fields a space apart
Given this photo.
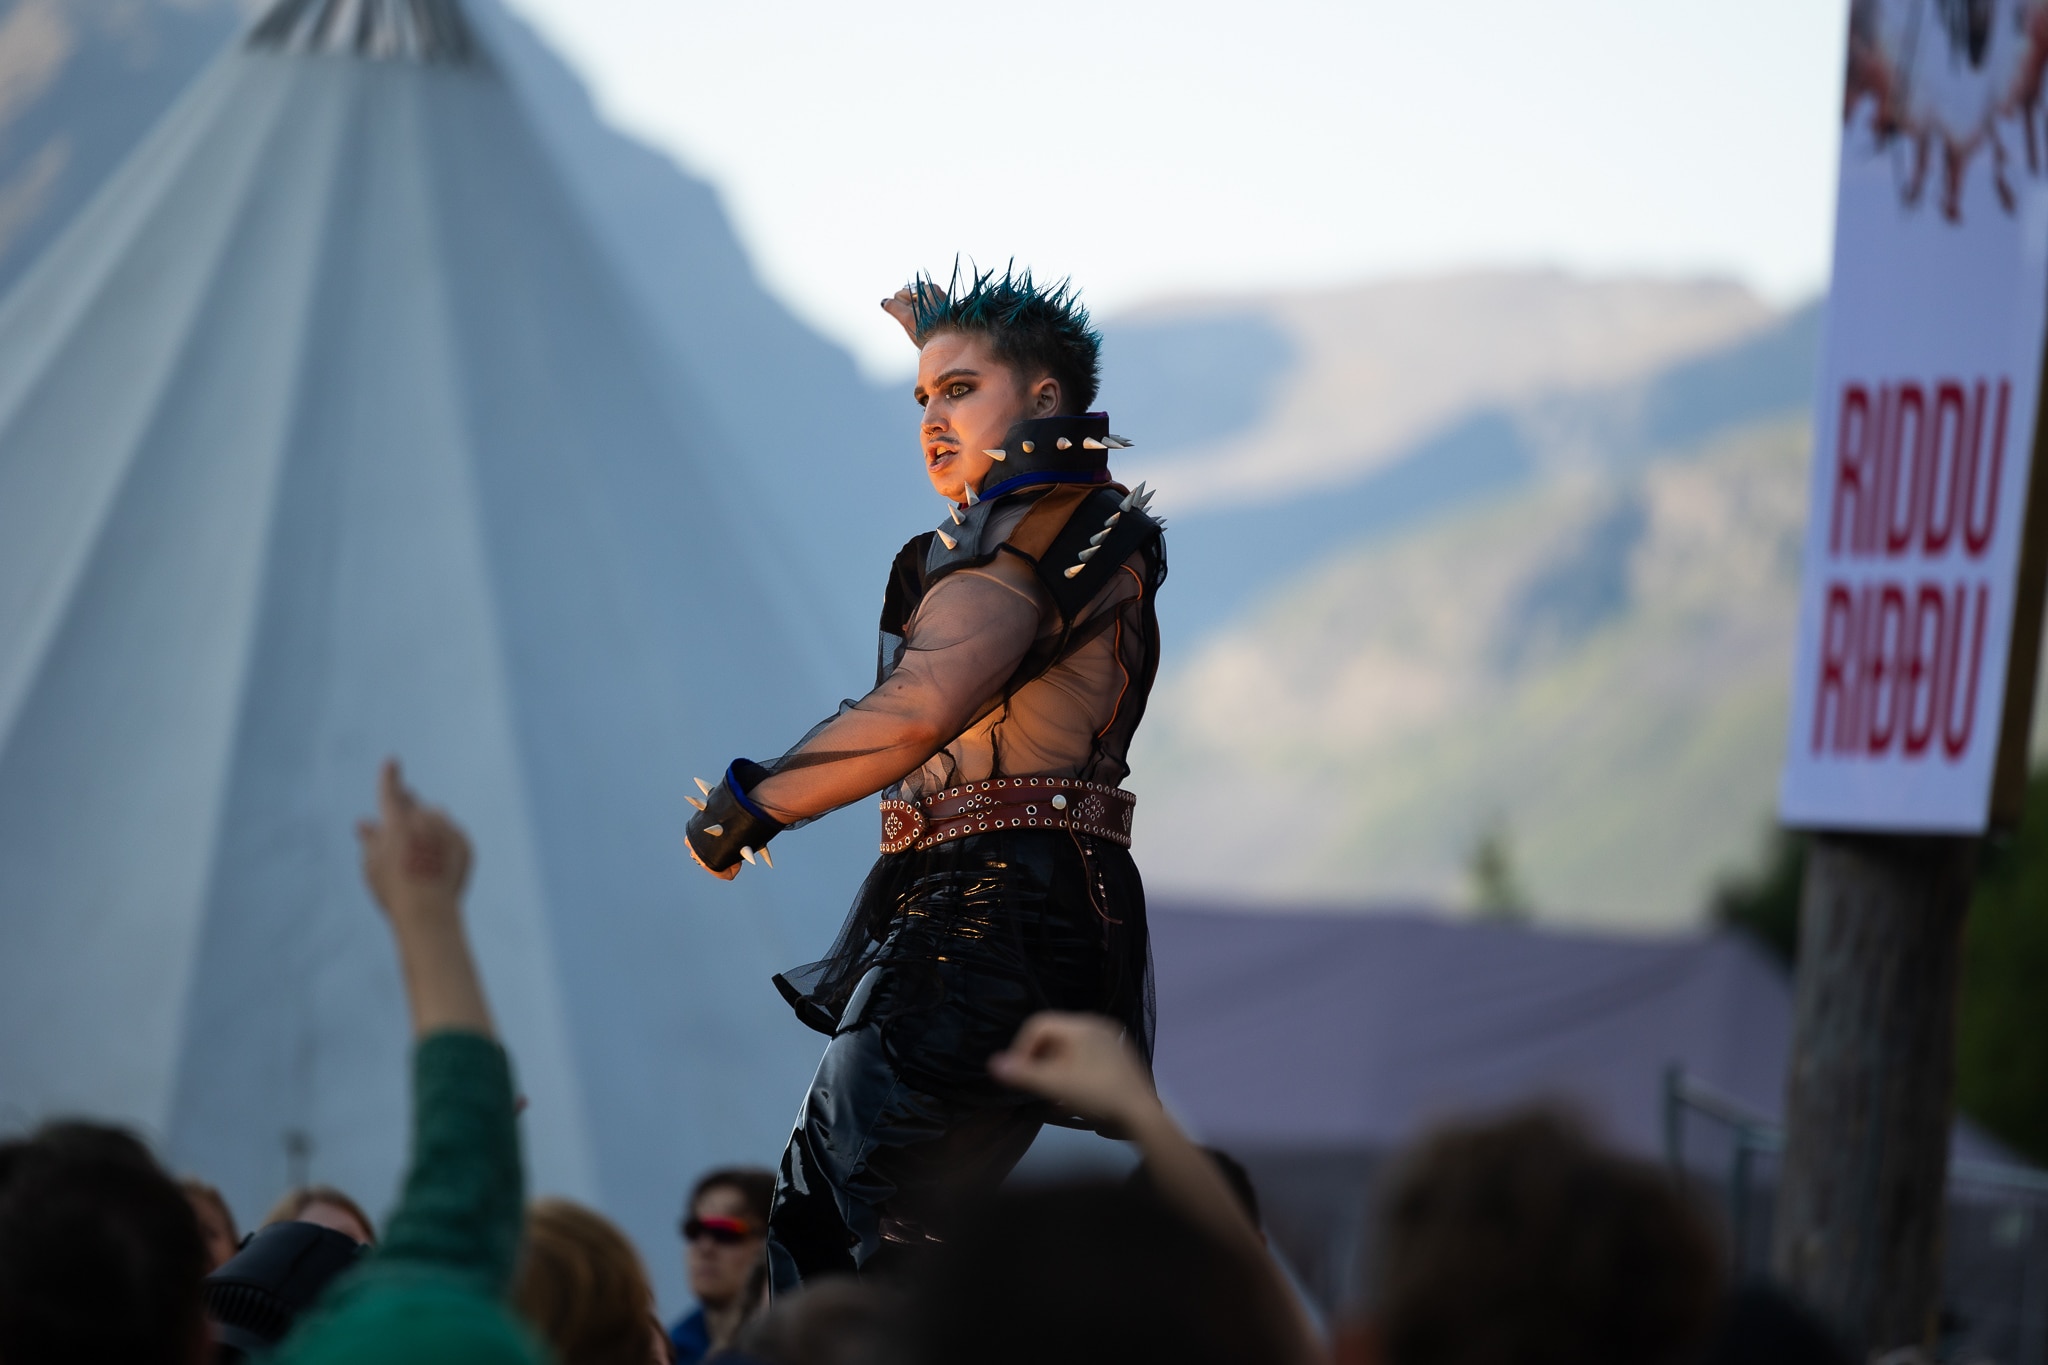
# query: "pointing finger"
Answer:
x=390 y=795
x=395 y=798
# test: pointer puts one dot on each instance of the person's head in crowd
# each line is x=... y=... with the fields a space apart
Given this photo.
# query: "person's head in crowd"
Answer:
x=216 y=1220
x=101 y=1256
x=837 y=1320
x=582 y=1288
x=1084 y=1274
x=1519 y=1241
x=327 y=1206
x=725 y=1240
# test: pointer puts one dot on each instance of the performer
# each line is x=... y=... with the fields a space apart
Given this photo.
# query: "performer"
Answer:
x=1019 y=643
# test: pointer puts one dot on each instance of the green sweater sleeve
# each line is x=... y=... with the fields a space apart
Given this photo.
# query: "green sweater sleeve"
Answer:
x=464 y=1198
x=433 y=1288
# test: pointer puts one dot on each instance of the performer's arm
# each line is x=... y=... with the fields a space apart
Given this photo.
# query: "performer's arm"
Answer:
x=968 y=636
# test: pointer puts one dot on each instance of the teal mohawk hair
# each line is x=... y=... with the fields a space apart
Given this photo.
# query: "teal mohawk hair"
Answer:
x=1035 y=329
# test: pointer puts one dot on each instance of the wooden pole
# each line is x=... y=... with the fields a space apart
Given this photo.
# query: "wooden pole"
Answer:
x=1872 y=1083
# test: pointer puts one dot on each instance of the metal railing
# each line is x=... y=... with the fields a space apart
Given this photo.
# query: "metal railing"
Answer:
x=1995 y=1288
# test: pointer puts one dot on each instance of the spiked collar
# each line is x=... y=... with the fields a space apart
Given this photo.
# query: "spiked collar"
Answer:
x=1036 y=454
x=1052 y=450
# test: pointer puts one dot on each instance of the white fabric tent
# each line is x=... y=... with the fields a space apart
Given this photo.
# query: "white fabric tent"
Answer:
x=327 y=431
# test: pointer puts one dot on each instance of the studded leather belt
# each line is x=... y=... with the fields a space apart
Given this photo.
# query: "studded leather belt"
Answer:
x=1090 y=808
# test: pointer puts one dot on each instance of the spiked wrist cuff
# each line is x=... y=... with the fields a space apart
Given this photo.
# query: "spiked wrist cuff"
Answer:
x=728 y=827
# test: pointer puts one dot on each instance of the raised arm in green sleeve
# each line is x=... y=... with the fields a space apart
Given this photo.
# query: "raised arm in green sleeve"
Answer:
x=433 y=1290
x=464 y=1198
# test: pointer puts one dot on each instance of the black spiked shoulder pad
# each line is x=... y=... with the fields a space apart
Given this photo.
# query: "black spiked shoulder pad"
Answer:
x=1104 y=531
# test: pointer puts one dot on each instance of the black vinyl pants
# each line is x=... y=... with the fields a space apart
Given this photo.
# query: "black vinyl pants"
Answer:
x=902 y=1121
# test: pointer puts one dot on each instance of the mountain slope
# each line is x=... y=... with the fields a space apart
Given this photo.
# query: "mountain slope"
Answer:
x=1255 y=397
x=1596 y=663
x=1228 y=555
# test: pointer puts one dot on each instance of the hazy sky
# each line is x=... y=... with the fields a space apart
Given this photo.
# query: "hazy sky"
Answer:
x=1154 y=150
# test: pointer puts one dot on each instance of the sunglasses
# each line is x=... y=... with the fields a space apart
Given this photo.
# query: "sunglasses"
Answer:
x=725 y=1232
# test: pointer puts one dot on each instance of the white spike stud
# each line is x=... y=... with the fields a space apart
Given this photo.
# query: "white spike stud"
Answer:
x=1065 y=444
x=950 y=543
x=1099 y=537
x=1123 y=442
x=747 y=853
x=1088 y=553
x=1028 y=447
x=1114 y=518
x=700 y=785
x=766 y=861
x=1076 y=569
x=695 y=802
x=958 y=520
x=972 y=496
x=1090 y=443
x=714 y=830
x=1131 y=499
x=997 y=455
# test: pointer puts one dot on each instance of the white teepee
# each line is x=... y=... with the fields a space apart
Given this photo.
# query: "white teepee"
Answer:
x=328 y=431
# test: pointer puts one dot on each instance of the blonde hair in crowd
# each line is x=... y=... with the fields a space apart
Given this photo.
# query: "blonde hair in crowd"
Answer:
x=582 y=1287
x=297 y=1201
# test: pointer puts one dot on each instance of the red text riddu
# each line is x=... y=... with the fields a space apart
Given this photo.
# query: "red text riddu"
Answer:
x=1917 y=471
x=1917 y=468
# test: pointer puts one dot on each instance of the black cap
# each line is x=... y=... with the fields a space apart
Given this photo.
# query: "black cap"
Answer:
x=280 y=1270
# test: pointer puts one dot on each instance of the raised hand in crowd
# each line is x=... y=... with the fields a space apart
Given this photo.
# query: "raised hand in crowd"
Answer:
x=433 y=1288
x=416 y=861
x=1082 y=1063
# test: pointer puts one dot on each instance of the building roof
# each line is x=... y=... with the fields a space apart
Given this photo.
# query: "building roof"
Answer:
x=1312 y=1030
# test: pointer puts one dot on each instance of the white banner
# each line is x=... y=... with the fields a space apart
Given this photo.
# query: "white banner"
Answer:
x=1924 y=420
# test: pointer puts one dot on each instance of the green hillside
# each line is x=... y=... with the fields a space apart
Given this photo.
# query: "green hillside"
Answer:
x=1594 y=669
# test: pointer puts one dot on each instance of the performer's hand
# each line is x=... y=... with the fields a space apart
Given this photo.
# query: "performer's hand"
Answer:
x=724 y=876
x=1079 y=1062
x=902 y=306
